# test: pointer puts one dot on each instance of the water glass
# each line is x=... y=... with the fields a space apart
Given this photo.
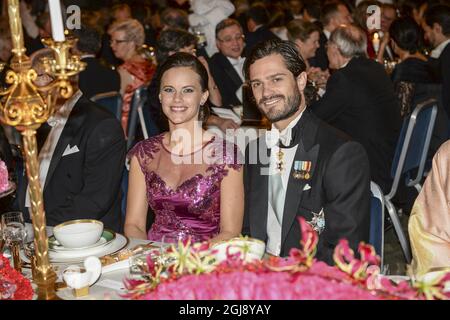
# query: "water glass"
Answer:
x=14 y=234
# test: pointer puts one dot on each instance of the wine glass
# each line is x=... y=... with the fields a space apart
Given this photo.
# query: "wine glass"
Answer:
x=14 y=234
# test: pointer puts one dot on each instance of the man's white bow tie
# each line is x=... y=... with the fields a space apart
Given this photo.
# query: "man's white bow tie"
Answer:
x=274 y=136
x=238 y=61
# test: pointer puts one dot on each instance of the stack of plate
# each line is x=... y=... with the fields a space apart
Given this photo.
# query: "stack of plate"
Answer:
x=110 y=242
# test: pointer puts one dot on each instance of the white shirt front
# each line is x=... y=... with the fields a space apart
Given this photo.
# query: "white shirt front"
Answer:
x=436 y=53
x=274 y=227
x=57 y=122
x=238 y=65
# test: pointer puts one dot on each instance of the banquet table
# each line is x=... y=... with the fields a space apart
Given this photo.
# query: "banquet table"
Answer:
x=108 y=287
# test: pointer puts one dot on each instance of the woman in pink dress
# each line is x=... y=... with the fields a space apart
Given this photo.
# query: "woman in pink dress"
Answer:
x=191 y=179
x=127 y=37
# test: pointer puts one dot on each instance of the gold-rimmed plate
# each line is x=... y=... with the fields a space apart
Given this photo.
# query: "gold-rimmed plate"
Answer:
x=106 y=238
x=74 y=257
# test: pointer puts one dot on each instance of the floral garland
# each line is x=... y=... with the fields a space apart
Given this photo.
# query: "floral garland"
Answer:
x=13 y=285
x=190 y=271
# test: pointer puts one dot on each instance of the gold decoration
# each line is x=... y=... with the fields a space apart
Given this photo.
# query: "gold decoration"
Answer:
x=26 y=107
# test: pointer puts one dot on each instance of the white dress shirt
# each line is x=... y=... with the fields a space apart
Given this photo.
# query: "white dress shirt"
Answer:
x=57 y=122
x=274 y=227
x=238 y=65
x=436 y=53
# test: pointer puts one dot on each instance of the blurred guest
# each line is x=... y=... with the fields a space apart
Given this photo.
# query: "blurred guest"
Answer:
x=226 y=65
x=414 y=79
x=311 y=11
x=5 y=41
x=121 y=12
x=414 y=9
x=81 y=155
x=360 y=101
x=127 y=38
x=257 y=21
x=202 y=200
x=361 y=16
x=429 y=223
x=333 y=15
x=388 y=15
x=96 y=77
x=174 y=18
x=437 y=31
x=306 y=36
x=278 y=20
x=205 y=16
x=296 y=7
x=143 y=14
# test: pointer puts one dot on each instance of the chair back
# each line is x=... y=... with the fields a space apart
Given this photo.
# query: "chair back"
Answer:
x=140 y=116
x=124 y=193
x=376 y=235
x=112 y=101
x=413 y=144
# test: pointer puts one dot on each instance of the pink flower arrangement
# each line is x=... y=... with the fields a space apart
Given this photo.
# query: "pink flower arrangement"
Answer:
x=4 y=177
x=192 y=274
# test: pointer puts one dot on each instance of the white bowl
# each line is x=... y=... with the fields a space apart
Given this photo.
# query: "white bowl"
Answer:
x=256 y=249
x=78 y=233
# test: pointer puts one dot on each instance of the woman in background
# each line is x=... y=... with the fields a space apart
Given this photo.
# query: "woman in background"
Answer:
x=127 y=38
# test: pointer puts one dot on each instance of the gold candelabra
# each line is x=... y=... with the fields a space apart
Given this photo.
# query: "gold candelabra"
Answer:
x=26 y=106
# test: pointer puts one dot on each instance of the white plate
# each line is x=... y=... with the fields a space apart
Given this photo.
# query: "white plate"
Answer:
x=78 y=256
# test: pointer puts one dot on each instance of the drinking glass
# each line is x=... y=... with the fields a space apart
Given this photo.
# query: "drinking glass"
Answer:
x=14 y=234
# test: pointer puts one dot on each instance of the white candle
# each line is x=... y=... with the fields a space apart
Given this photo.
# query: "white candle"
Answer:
x=56 y=19
x=376 y=42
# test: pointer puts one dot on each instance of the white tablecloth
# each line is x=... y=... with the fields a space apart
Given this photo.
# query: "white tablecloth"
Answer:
x=107 y=287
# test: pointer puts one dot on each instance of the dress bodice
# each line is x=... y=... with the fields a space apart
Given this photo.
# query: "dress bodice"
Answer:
x=184 y=192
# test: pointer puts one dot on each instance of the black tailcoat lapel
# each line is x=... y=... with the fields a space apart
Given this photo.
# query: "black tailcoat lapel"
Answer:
x=307 y=150
x=73 y=124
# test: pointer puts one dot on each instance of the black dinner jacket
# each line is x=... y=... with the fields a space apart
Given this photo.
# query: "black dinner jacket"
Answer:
x=97 y=78
x=226 y=78
x=360 y=101
x=320 y=60
x=441 y=67
x=84 y=184
x=339 y=183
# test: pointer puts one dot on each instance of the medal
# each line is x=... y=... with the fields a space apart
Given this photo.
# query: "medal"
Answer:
x=302 y=170
x=280 y=162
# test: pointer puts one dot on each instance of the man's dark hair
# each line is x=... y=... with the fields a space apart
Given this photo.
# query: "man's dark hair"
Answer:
x=89 y=40
x=288 y=51
x=407 y=34
x=313 y=8
x=225 y=24
x=439 y=14
x=175 y=18
x=328 y=11
x=258 y=13
x=173 y=40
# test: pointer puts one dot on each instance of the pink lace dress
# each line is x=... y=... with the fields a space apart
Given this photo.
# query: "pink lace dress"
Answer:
x=184 y=192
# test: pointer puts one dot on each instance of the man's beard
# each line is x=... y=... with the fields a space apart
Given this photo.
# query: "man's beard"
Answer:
x=291 y=106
